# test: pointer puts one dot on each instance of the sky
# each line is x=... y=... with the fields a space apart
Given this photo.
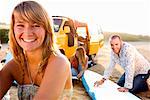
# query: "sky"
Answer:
x=128 y=16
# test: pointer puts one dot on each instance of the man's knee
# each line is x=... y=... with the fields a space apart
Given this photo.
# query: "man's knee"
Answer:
x=139 y=84
x=120 y=83
x=138 y=89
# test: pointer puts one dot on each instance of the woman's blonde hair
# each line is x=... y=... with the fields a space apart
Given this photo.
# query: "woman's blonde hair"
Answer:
x=31 y=11
x=81 y=55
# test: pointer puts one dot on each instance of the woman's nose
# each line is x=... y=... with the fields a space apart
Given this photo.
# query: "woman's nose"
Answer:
x=28 y=30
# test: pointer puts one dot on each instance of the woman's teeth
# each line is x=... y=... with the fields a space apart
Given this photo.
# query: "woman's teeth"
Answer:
x=28 y=40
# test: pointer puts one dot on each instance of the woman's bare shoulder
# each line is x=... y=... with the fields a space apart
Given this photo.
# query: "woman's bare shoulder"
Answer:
x=10 y=66
x=9 y=72
x=59 y=62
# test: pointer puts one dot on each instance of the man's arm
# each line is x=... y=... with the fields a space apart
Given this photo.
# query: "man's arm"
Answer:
x=129 y=68
x=109 y=70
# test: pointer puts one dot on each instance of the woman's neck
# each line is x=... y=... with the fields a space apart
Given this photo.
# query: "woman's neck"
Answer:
x=35 y=57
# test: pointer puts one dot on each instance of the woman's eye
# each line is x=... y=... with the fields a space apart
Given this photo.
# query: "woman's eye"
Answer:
x=19 y=25
x=36 y=25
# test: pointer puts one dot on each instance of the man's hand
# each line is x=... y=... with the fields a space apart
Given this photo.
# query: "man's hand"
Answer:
x=123 y=89
x=97 y=83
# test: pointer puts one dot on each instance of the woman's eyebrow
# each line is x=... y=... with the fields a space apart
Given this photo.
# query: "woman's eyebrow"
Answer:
x=19 y=21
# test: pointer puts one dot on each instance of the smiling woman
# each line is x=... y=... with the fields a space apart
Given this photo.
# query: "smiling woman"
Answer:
x=34 y=33
x=31 y=36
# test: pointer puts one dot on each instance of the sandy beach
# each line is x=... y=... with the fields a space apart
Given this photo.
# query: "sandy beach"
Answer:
x=102 y=59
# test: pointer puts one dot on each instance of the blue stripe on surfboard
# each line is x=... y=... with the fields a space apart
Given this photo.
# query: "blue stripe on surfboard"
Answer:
x=91 y=94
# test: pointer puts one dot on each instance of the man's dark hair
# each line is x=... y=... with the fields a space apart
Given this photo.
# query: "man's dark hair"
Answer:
x=115 y=36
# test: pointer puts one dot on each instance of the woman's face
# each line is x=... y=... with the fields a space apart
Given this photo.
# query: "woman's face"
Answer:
x=77 y=53
x=116 y=45
x=29 y=36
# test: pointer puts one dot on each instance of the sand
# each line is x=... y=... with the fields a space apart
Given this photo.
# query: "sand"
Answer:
x=102 y=59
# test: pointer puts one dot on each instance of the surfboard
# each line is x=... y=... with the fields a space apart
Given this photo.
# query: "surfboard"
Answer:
x=106 y=91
